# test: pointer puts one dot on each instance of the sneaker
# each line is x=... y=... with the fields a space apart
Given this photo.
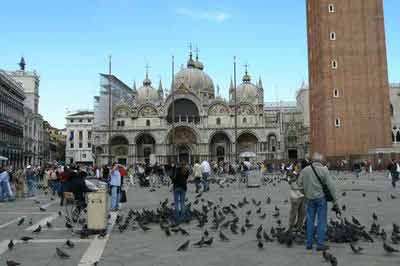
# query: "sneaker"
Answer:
x=323 y=248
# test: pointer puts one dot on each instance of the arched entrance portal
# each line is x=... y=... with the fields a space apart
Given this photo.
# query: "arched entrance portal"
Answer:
x=220 y=147
x=185 y=140
x=184 y=153
x=145 y=146
x=247 y=143
x=185 y=111
x=119 y=149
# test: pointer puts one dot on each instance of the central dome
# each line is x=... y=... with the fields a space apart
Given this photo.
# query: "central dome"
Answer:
x=195 y=79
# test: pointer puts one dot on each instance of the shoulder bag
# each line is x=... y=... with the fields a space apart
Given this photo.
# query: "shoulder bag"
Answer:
x=325 y=189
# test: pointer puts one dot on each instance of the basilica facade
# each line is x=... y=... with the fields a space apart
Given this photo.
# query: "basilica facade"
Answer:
x=192 y=123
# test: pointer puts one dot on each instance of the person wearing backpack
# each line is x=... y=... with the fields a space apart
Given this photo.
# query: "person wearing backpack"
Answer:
x=318 y=189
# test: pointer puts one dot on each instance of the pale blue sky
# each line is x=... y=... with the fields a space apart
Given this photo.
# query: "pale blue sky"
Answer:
x=68 y=43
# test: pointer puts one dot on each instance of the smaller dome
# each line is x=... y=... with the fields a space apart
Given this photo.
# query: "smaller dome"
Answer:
x=247 y=91
x=147 y=93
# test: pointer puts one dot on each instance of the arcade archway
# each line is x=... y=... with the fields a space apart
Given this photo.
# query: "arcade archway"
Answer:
x=185 y=144
x=119 y=149
x=145 y=146
x=220 y=147
x=247 y=142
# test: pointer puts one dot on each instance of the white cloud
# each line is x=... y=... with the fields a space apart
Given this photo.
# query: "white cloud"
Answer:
x=216 y=16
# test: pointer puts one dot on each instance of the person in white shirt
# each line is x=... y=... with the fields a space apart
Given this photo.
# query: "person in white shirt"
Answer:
x=97 y=172
x=206 y=171
x=197 y=173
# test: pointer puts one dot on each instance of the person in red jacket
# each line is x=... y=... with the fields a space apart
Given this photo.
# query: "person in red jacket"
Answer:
x=64 y=183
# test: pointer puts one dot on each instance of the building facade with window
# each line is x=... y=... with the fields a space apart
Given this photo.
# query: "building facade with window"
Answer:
x=35 y=139
x=11 y=121
x=192 y=122
x=78 y=142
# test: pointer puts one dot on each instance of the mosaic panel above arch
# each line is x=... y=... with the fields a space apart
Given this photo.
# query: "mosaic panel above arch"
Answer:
x=218 y=109
x=245 y=109
x=148 y=111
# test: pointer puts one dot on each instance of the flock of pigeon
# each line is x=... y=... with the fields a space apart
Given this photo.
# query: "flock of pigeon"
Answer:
x=59 y=252
x=218 y=221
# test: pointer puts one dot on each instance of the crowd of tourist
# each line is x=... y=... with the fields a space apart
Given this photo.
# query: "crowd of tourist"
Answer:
x=310 y=184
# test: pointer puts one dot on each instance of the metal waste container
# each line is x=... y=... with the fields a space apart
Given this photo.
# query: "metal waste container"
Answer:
x=97 y=210
x=253 y=178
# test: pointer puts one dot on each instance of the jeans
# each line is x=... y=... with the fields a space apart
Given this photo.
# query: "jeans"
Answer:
x=316 y=207
x=5 y=190
x=115 y=196
x=179 y=201
x=54 y=185
x=197 y=181
x=205 y=182
x=31 y=187
x=395 y=178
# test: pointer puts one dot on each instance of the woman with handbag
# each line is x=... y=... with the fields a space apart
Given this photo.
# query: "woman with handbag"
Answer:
x=297 y=200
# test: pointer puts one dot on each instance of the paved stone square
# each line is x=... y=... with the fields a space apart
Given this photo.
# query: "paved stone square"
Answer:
x=136 y=247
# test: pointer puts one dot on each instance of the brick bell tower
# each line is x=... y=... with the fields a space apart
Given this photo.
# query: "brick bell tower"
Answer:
x=349 y=89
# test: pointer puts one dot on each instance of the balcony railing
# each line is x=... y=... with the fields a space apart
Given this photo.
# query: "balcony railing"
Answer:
x=185 y=119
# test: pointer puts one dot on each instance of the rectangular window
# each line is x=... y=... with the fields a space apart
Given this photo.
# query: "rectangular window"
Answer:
x=337 y=123
x=84 y=155
x=71 y=145
x=80 y=135
x=80 y=120
x=336 y=93
x=89 y=120
x=89 y=134
x=72 y=121
x=331 y=8
x=334 y=64
x=89 y=145
x=80 y=145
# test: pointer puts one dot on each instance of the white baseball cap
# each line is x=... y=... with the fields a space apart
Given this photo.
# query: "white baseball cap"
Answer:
x=28 y=167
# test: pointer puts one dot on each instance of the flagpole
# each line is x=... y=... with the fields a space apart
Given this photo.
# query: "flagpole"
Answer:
x=109 y=111
x=173 y=109
x=234 y=80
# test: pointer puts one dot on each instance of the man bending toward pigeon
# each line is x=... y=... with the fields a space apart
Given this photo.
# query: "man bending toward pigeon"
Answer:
x=316 y=201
